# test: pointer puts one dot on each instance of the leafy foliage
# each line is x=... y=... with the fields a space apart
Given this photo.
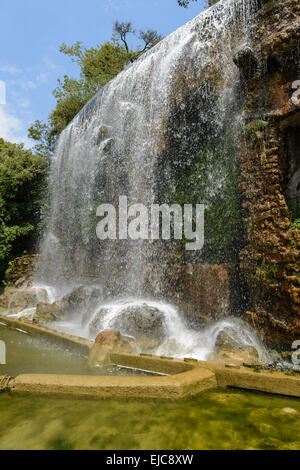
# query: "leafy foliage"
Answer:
x=21 y=182
x=98 y=65
x=213 y=180
x=185 y=3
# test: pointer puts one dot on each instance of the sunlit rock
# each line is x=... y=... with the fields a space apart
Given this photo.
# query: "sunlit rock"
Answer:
x=229 y=350
x=106 y=342
x=21 y=299
x=142 y=322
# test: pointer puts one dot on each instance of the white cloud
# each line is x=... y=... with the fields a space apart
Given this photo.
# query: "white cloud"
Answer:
x=12 y=128
x=31 y=84
x=10 y=69
x=42 y=78
x=24 y=102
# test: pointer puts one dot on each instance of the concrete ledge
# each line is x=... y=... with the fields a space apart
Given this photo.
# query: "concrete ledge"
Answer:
x=185 y=378
x=70 y=342
x=238 y=377
x=151 y=363
x=173 y=387
x=264 y=381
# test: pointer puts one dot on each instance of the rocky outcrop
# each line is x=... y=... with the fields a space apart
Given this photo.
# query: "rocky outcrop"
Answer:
x=229 y=351
x=106 y=342
x=270 y=161
x=80 y=301
x=17 y=300
x=142 y=322
x=20 y=270
x=202 y=291
x=57 y=311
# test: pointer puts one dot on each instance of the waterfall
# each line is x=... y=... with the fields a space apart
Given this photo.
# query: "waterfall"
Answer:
x=118 y=145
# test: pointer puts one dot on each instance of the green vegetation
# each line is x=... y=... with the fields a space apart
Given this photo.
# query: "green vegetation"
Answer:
x=185 y=3
x=265 y=273
x=254 y=129
x=296 y=225
x=98 y=65
x=263 y=158
x=213 y=180
x=21 y=186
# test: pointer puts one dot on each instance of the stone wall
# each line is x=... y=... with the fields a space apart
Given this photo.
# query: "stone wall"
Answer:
x=270 y=160
x=201 y=291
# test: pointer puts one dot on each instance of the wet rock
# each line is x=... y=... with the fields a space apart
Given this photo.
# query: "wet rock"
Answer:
x=224 y=341
x=269 y=258
x=21 y=270
x=106 y=342
x=27 y=315
x=289 y=411
x=5 y=297
x=227 y=350
x=57 y=311
x=112 y=338
x=43 y=313
x=201 y=291
x=96 y=323
x=141 y=322
x=246 y=61
x=21 y=282
x=149 y=345
x=103 y=132
x=84 y=300
x=20 y=299
x=81 y=299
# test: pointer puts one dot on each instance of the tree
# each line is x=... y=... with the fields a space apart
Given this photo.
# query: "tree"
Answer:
x=123 y=29
x=185 y=3
x=150 y=38
x=98 y=65
x=21 y=193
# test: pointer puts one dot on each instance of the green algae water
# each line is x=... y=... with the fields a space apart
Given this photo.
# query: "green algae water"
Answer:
x=219 y=419
x=28 y=355
x=222 y=419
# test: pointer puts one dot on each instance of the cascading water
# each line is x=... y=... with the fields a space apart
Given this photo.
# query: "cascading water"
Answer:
x=115 y=147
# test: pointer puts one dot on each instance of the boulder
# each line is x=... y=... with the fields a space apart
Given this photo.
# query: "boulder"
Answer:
x=43 y=313
x=142 y=322
x=149 y=345
x=46 y=312
x=20 y=299
x=83 y=300
x=5 y=297
x=106 y=342
x=79 y=300
x=96 y=323
x=20 y=270
x=227 y=350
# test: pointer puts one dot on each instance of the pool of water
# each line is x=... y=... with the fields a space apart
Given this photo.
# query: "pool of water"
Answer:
x=221 y=419
x=26 y=354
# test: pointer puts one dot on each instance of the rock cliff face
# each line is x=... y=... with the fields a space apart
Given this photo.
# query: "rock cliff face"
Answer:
x=261 y=278
x=270 y=173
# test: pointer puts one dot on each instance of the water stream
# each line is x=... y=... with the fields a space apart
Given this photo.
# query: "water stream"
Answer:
x=116 y=146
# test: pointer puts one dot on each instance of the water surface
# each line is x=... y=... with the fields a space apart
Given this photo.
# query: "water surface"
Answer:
x=221 y=419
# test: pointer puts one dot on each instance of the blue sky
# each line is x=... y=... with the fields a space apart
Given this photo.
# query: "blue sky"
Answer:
x=32 y=30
